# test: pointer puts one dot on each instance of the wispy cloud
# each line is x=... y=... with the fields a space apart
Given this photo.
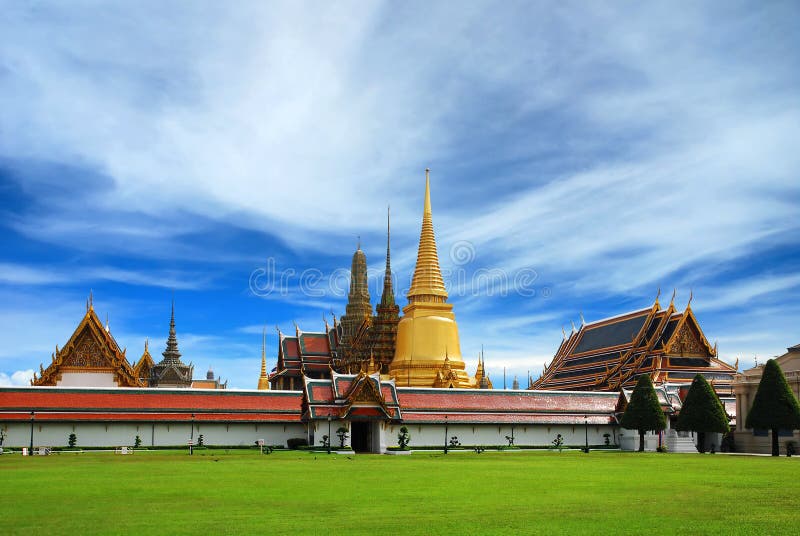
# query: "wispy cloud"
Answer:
x=612 y=150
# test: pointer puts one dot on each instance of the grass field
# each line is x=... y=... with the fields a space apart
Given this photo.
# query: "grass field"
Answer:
x=241 y=492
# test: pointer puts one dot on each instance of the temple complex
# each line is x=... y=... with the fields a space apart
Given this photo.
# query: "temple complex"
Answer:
x=609 y=354
x=420 y=349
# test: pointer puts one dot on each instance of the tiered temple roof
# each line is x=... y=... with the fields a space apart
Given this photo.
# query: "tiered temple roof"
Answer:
x=610 y=354
x=91 y=349
x=361 y=396
x=307 y=353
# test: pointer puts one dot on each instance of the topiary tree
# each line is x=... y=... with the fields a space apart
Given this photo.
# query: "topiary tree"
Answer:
x=702 y=412
x=403 y=438
x=137 y=442
x=775 y=407
x=200 y=440
x=342 y=433
x=558 y=442
x=72 y=440
x=644 y=411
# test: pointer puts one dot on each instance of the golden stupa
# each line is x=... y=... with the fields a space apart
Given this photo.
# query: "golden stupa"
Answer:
x=428 y=353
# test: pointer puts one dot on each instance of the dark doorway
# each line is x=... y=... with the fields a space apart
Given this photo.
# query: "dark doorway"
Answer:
x=361 y=436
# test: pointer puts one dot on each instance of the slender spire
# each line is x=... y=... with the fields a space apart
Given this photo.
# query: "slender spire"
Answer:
x=172 y=353
x=263 y=379
x=427 y=284
x=264 y=353
x=387 y=298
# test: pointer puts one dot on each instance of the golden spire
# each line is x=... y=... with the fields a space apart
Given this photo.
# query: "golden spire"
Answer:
x=427 y=284
x=264 y=354
x=263 y=380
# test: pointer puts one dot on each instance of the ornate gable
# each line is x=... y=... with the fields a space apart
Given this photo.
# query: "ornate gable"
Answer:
x=688 y=339
x=144 y=366
x=91 y=348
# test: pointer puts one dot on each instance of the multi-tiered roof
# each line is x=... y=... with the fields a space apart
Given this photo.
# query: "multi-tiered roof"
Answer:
x=610 y=354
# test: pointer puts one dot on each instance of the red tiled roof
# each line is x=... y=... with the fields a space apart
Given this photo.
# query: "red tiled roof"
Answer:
x=153 y=404
x=505 y=418
x=314 y=343
x=482 y=400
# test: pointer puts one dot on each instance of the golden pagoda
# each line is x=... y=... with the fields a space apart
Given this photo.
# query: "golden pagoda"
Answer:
x=263 y=380
x=428 y=353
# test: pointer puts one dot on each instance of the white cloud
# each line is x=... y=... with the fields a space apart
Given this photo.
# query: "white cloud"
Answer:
x=18 y=378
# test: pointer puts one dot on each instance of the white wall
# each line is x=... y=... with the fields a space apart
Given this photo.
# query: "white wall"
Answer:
x=160 y=434
x=87 y=379
x=489 y=435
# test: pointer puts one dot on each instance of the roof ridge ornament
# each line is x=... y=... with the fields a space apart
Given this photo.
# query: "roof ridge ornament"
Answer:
x=583 y=322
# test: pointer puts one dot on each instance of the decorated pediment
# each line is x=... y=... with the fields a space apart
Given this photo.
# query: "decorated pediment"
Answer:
x=91 y=348
x=688 y=340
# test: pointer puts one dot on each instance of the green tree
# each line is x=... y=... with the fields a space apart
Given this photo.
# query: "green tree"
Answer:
x=403 y=438
x=702 y=412
x=137 y=442
x=72 y=440
x=775 y=407
x=342 y=433
x=644 y=411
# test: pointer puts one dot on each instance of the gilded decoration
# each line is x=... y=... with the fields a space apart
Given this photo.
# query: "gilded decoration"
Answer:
x=87 y=353
x=687 y=343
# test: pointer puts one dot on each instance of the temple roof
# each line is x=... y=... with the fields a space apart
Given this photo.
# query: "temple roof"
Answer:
x=90 y=348
x=148 y=404
x=503 y=406
x=610 y=353
x=354 y=396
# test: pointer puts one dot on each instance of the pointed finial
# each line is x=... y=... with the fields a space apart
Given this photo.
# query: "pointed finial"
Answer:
x=359 y=242
x=736 y=365
x=563 y=334
x=583 y=322
x=427 y=206
x=296 y=328
x=264 y=353
x=573 y=326
x=107 y=331
x=672 y=300
x=691 y=295
x=658 y=294
x=91 y=300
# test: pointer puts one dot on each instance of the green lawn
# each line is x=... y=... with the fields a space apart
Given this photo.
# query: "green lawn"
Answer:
x=463 y=493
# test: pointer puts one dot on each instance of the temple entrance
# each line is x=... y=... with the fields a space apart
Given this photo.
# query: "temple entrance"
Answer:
x=361 y=436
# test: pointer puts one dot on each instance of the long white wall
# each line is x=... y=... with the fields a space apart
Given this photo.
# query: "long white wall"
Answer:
x=159 y=434
x=433 y=435
x=165 y=434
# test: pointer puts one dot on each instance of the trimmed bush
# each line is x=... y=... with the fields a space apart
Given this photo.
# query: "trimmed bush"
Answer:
x=702 y=412
x=775 y=407
x=644 y=411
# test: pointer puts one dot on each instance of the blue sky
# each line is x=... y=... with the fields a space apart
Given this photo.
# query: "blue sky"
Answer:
x=584 y=153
